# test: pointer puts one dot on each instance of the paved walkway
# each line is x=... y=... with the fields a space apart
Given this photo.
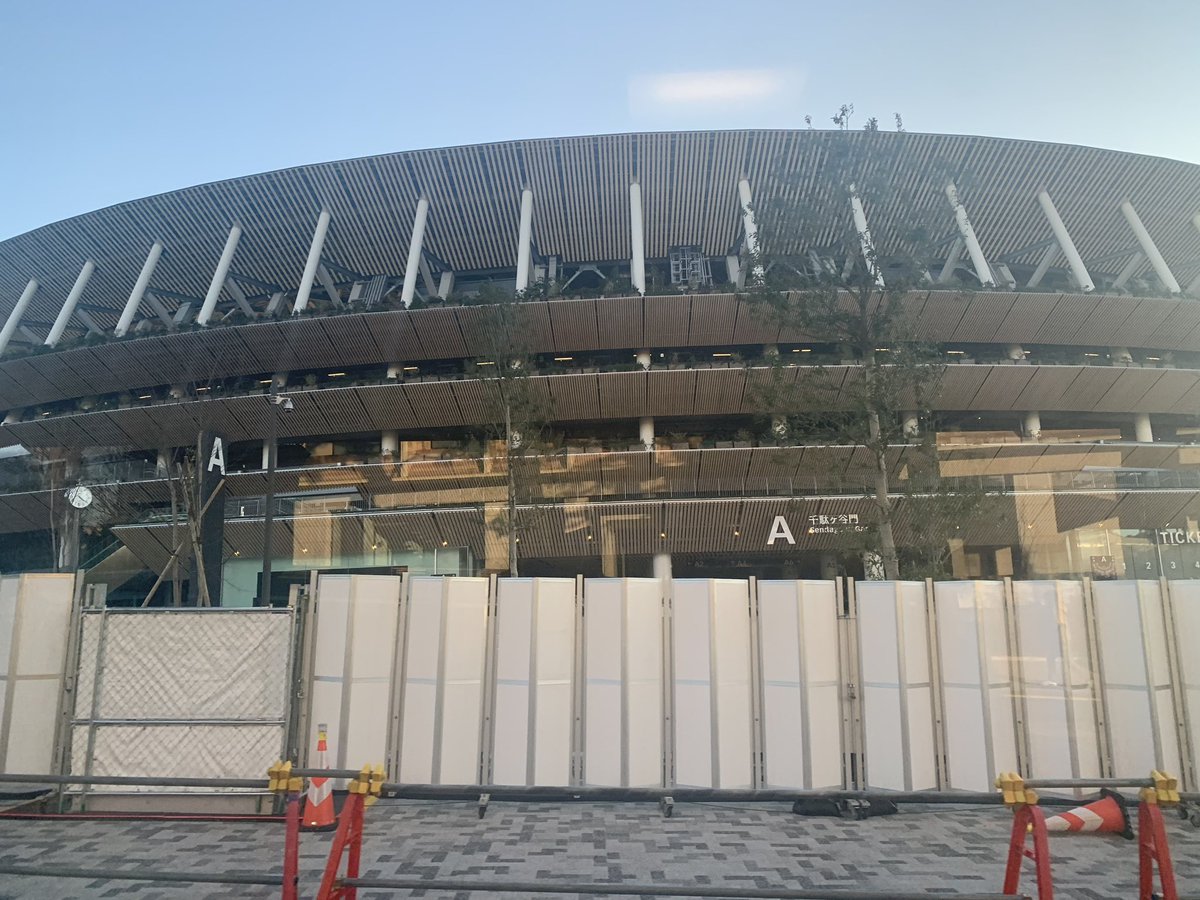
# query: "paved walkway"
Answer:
x=942 y=849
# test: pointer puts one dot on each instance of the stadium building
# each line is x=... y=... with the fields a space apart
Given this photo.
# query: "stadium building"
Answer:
x=340 y=312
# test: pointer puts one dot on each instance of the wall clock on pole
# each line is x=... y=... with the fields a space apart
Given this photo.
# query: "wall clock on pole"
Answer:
x=80 y=496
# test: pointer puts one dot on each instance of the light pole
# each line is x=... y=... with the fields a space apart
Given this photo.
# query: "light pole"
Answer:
x=279 y=402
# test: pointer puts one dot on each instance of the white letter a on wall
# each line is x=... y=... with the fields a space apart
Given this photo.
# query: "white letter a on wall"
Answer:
x=216 y=459
x=779 y=529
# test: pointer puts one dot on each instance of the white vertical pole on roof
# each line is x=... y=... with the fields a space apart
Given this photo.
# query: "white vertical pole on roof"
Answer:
x=1074 y=260
x=525 y=239
x=637 y=239
x=14 y=317
x=413 y=266
x=139 y=290
x=1149 y=247
x=864 y=236
x=982 y=270
x=68 y=308
x=218 y=280
x=750 y=225
x=314 y=260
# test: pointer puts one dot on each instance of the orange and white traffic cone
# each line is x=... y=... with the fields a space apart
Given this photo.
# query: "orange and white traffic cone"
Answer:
x=318 y=810
x=1104 y=816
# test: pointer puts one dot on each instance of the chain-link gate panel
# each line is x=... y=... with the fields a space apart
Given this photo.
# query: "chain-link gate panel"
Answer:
x=181 y=693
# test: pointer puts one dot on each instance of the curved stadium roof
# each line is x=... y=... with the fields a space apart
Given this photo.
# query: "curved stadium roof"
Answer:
x=581 y=207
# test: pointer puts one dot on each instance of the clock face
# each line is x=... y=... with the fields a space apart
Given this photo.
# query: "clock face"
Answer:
x=80 y=497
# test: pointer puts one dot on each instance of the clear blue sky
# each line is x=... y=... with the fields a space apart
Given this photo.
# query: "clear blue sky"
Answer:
x=108 y=101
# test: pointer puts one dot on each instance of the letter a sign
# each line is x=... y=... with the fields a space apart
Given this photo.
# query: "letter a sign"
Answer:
x=780 y=530
x=216 y=458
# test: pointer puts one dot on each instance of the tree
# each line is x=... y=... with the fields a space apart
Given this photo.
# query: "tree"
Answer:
x=518 y=413
x=848 y=291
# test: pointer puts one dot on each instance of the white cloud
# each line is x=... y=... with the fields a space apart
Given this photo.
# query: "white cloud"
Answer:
x=686 y=92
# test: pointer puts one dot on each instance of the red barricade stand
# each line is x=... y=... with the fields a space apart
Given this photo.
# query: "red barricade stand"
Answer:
x=347 y=840
x=1152 y=838
x=1029 y=821
x=291 y=850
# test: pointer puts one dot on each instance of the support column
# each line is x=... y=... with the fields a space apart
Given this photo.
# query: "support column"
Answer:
x=139 y=290
x=394 y=370
x=1033 y=426
x=68 y=308
x=952 y=257
x=1120 y=356
x=733 y=269
x=1128 y=270
x=646 y=431
x=750 y=227
x=637 y=239
x=662 y=567
x=1143 y=431
x=525 y=240
x=1043 y=265
x=1015 y=351
x=162 y=461
x=445 y=284
x=239 y=297
x=982 y=270
x=643 y=358
x=413 y=266
x=314 y=260
x=1074 y=260
x=218 y=279
x=389 y=443
x=1149 y=248
x=266 y=456
x=912 y=424
x=864 y=236
x=14 y=317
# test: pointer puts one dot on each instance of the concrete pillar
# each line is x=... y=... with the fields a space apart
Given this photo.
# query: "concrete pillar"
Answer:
x=1043 y=265
x=218 y=279
x=389 y=443
x=662 y=567
x=310 y=265
x=637 y=238
x=1148 y=247
x=1033 y=425
x=982 y=270
x=952 y=257
x=525 y=240
x=864 y=236
x=413 y=266
x=1127 y=271
x=1143 y=432
x=643 y=358
x=68 y=308
x=266 y=456
x=1120 y=356
x=1074 y=260
x=733 y=266
x=162 y=462
x=445 y=284
x=14 y=318
x=1014 y=351
x=646 y=431
x=139 y=290
x=395 y=370
x=912 y=425
x=750 y=227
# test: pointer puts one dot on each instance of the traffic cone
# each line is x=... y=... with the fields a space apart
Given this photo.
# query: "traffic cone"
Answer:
x=318 y=810
x=1106 y=815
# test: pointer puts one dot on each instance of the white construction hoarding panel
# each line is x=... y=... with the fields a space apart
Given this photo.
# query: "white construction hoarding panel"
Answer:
x=897 y=696
x=354 y=651
x=713 y=722
x=1135 y=677
x=976 y=681
x=1185 y=614
x=801 y=686
x=35 y=619
x=442 y=707
x=181 y=691
x=533 y=711
x=623 y=682
x=1056 y=685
